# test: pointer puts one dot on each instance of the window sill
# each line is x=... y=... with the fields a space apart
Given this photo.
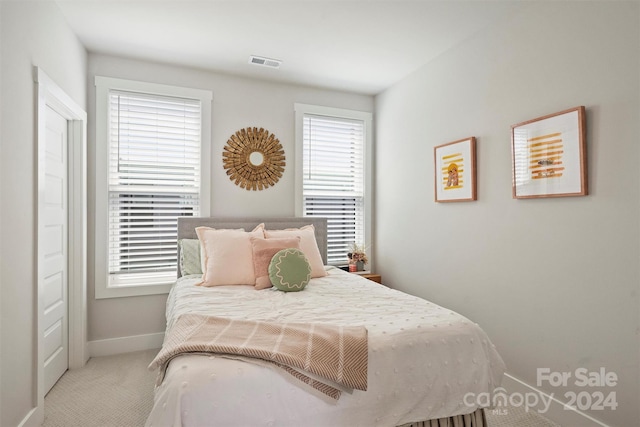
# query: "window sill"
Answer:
x=131 y=286
x=132 y=291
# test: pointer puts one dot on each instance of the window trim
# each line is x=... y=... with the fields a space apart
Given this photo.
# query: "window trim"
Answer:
x=367 y=118
x=103 y=86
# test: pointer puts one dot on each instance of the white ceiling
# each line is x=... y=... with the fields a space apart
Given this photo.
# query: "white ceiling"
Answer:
x=358 y=46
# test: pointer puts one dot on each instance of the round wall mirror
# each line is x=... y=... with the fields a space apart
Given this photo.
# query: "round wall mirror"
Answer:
x=253 y=158
x=256 y=158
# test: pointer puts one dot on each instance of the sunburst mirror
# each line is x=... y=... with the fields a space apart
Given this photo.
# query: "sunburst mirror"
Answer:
x=253 y=158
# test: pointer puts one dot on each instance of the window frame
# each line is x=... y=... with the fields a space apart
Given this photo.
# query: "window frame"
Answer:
x=340 y=113
x=104 y=288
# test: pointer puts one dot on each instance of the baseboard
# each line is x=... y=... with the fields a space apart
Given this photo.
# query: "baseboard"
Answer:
x=35 y=417
x=558 y=412
x=121 y=345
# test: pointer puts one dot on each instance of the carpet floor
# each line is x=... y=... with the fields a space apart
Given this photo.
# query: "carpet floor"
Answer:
x=117 y=391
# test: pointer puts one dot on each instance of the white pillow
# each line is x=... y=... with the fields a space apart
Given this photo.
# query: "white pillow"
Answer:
x=228 y=256
x=308 y=245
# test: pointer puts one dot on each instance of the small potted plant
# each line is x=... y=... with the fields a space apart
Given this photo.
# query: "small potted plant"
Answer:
x=357 y=257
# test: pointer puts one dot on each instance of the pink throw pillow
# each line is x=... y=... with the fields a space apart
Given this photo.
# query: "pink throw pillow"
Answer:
x=228 y=256
x=263 y=251
x=308 y=245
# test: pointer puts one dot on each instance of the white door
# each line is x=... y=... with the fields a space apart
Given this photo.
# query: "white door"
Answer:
x=54 y=240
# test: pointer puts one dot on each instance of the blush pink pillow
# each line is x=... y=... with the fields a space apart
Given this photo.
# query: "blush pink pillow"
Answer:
x=263 y=251
x=228 y=256
x=308 y=245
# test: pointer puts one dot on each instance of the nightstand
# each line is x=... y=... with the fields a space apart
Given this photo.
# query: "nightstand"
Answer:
x=369 y=275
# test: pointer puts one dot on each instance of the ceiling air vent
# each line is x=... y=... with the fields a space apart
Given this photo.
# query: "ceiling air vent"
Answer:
x=265 y=62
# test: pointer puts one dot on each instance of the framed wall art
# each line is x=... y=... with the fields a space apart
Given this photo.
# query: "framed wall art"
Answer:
x=549 y=156
x=455 y=171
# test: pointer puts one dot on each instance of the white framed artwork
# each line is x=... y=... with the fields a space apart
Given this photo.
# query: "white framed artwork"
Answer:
x=549 y=156
x=455 y=171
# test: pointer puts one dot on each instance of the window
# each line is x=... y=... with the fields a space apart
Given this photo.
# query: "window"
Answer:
x=151 y=151
x=333 y=161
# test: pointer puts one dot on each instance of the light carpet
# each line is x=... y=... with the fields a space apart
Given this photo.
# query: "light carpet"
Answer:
x=117 y=391
x=110 y=391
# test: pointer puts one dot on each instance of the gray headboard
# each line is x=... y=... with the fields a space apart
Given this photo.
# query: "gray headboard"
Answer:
x=187 y=227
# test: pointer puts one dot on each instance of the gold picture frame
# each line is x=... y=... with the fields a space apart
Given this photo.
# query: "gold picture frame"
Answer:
x=455 y=171
x=549 y=156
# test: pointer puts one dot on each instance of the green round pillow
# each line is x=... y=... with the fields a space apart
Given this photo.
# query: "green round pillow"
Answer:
x=289 y=270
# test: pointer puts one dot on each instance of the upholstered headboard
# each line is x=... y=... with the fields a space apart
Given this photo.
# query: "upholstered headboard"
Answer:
x=187 y=227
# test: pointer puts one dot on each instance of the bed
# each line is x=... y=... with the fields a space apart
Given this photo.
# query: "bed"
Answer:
x=424 y=365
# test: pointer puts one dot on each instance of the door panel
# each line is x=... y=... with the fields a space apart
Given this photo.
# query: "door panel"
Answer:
x=54 y=244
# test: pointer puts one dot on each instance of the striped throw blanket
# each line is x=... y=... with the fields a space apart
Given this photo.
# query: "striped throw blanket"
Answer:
x=336 y=353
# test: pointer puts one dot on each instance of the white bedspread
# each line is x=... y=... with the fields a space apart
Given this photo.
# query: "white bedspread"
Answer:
x=423 y=359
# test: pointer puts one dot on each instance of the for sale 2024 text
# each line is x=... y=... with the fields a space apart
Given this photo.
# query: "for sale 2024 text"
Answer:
x=596 y=400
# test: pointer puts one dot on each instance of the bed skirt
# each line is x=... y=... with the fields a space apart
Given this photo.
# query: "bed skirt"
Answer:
x=474 y=419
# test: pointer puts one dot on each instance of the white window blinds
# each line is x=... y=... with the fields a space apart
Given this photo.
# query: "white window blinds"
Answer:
x=153 y=178
x=333 y=180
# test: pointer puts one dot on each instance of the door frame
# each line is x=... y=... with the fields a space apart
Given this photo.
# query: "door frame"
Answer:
x=51 y=95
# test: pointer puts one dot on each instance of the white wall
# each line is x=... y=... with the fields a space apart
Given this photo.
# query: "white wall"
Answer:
x=237 y=103
x=33 y=33
x=554 y=282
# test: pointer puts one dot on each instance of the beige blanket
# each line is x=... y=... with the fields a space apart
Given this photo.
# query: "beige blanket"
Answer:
x=336 y=353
